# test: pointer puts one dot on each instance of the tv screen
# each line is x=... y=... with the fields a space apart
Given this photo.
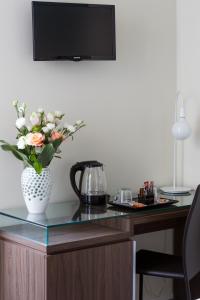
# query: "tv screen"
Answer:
x=66 y=31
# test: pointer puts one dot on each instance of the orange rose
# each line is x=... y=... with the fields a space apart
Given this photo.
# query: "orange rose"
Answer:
x=56 y=135
x=37 y=139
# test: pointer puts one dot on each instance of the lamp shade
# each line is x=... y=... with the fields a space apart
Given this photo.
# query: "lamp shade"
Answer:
x=181 y=129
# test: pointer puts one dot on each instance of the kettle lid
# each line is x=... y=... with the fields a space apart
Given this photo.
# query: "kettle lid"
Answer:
x=90 y=163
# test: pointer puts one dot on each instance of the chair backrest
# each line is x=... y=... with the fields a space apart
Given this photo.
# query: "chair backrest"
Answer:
x=191 y=249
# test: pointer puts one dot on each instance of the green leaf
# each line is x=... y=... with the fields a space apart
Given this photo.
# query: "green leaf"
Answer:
x=24 y=131
x=32 y=157
x=36 y=128
x=56 y=144
x=47 y=155
x=17 y=153
x=37 y=166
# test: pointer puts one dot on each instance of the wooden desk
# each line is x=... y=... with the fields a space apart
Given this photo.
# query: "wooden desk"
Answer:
x=90 y=261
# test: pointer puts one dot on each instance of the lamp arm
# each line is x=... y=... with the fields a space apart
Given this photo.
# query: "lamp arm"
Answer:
x=178 y=99
x=176 y=106
x=174 y=164
x=178 y=95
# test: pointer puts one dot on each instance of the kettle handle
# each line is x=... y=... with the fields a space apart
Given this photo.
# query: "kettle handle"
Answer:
x=74 y=169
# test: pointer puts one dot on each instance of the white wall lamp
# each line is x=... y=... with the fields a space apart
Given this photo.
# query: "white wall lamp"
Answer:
x=180 y=131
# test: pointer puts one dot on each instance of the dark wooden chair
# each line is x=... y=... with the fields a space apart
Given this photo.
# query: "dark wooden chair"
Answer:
x=187 y=267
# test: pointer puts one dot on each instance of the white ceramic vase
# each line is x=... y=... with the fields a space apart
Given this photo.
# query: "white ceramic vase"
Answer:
x=36 y=189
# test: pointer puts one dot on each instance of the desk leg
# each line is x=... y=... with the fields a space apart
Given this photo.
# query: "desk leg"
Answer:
x=178 y=285
x=134 y=271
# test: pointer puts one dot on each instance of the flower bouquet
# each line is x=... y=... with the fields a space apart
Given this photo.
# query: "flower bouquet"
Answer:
x=39 y=138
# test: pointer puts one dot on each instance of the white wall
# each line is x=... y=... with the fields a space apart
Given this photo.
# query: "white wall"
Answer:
x=127 y=104
x=188 y=75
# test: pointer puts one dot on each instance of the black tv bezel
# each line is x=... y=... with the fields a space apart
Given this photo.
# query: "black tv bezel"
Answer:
x=75 y=57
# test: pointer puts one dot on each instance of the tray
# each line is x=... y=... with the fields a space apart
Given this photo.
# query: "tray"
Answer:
x=163 y=202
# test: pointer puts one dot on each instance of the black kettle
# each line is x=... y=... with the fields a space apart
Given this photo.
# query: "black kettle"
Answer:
x=92 y=185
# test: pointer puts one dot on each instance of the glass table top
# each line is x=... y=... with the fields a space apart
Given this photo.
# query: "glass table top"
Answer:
x=63 y=213
x=68 y=213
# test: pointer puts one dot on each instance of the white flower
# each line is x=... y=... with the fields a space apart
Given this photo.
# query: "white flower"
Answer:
x=40 y=110
x=14 y=103
x=35 y=119
x=28 y=139
x=45 y=129
x=58 y=114
x=20 y=122
x=22 y=108
x=79 y=122
x=71 y=128
x=21 y=144
x=50 y=117
x=51 y=126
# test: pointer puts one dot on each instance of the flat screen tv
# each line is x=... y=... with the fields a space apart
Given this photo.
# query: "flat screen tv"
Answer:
x=69 y=31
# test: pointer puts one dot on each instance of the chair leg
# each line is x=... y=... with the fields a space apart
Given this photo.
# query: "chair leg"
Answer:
x=141 y=287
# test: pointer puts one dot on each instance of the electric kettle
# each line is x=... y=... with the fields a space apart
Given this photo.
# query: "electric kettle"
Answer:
x=92 y=185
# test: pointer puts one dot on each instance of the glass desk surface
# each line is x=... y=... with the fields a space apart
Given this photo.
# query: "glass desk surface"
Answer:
x=63 y=213
x=46 y=229
x=71 y=212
